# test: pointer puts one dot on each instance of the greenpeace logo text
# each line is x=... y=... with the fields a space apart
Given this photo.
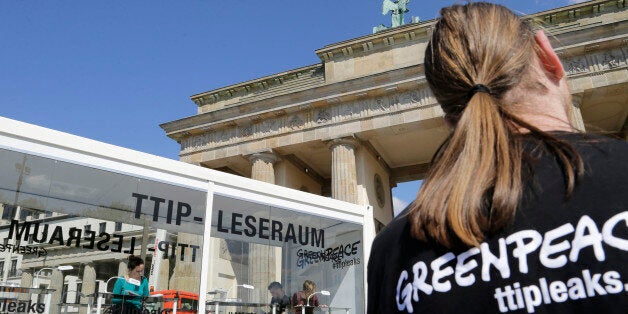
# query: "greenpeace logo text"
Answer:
x=549 y=249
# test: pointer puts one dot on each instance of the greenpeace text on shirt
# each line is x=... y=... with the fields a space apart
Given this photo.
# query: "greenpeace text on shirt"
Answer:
x=553 y=249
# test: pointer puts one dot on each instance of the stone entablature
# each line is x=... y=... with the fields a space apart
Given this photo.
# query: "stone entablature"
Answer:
x=302 y=112
x=312 y=104
x=261 y=88
x=403 y=105
x=384 y=51
x=251 y=113
x=565 y=23
x=558 y=22
x=562 y=17
x=280 y=94
x=599 y=60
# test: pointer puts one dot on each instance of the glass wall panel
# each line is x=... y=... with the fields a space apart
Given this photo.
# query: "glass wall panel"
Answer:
x=67 y=231
x=254 y=245
x=71 y=228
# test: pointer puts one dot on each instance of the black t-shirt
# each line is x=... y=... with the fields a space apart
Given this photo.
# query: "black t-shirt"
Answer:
x=560 y=255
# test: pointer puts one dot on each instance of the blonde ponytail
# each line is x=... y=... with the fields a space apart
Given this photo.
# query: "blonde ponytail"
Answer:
x=475 y=184
x=479 y=159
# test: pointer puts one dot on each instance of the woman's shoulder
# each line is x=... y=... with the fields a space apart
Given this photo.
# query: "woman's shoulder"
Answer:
x=604 y=157
x=397 y=229
x=595 y=144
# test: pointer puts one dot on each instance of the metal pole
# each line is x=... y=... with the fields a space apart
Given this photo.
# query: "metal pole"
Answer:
x=122 y=304
x=47 y=300
x=206 y=265
x=174 y=304
x=98 y=302
x=89 y=304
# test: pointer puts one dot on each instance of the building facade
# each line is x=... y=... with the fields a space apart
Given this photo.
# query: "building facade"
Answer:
x=363 y=119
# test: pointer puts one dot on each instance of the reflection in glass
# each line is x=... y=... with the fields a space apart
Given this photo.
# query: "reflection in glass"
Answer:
x=55 y=213
x=257 y=244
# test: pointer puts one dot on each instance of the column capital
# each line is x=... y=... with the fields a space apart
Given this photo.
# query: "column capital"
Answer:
x=267 y=157
x=349 y=141
x=263 y=166
x=29 y=270
x=575 y=115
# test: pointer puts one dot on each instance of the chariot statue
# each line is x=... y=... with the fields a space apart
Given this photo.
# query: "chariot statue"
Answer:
x=398 y=8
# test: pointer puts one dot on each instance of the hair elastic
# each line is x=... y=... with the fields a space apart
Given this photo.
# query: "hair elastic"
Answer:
x=479 y=88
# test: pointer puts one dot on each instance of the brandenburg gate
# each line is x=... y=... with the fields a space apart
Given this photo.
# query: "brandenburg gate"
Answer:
x=363 y=119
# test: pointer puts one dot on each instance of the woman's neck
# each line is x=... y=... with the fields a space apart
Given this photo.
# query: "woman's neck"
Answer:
x=542 y=101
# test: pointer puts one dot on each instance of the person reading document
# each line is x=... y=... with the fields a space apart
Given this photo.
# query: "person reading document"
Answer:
x=130 y=291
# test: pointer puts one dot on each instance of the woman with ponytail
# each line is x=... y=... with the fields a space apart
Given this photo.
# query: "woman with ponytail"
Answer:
x=519 y=211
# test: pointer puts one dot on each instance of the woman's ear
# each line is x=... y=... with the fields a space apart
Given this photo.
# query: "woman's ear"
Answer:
x=549 y=58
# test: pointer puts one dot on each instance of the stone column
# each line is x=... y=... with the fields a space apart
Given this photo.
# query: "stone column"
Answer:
x=262 y=262
x=344 y=180
x=186 y=275
x=123 y=269
x=263 y=166
x=56 y=283
x=26 y=282
x=89 y=285
x=576 y=115
x=164 y=273
x=27 y=278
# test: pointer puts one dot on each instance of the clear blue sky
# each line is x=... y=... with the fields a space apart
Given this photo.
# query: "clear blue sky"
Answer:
x=114 y=70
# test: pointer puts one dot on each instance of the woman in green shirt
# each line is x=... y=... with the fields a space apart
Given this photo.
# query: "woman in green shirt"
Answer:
x=131 y=290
